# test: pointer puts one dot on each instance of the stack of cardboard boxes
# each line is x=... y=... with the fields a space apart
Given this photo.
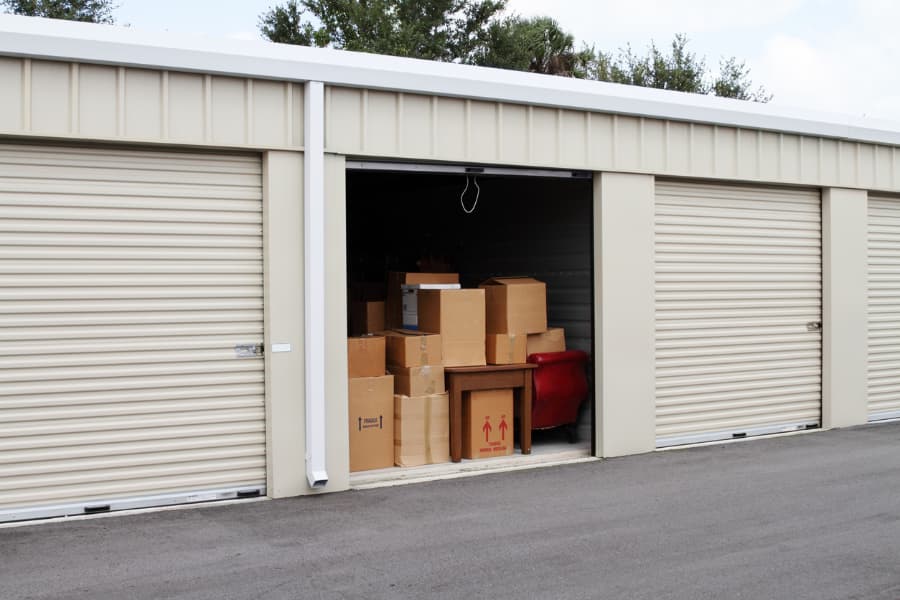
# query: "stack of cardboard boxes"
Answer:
x=421 y=404
x=502 y=322
x=371 y=404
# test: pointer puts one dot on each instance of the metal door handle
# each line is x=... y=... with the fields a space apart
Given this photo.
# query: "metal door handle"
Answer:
x=814 y=326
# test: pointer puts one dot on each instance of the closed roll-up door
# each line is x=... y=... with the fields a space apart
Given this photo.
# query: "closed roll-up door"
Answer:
x=131 y=324
x=738 y=311
x=884 y=308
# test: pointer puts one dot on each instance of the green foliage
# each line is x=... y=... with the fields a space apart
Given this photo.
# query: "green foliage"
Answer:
x=536 y=44
x=446 y=30
x=91 y=11
x=678 y=70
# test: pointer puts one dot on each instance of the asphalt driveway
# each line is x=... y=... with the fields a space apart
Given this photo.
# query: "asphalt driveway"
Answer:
x=812 y=516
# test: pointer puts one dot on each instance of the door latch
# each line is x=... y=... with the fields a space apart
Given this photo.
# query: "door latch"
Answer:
x=814 y=326
x=248 y=350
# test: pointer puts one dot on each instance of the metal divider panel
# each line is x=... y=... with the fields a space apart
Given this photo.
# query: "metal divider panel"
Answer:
x=884 y=308
x=738 y=299
x=127 y=281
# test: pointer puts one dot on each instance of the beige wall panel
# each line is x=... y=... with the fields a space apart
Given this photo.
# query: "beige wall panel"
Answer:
x=544 y=136
x=678 y=147
x=882 y=167
x=285 y=412
x=229 y=111
x=269 y=123
x=628 y=143
x=514 y=133
x=415 y=134
x=343 y=112
x=747 y=154
x=187 y=114
x=573 y=133
x=866 y=165
x=895 y=169
x=296 y=115
x=624 y=311
x=847 y=163
x=143 y=104
x=769 y=155
x=97 y=101
x=654 y=145
x=829 y=162
x=726 y=156
x=810 y=167
x=11 y=94
x=845 y=307
x=381 y=123
x=50 y=101
x=703 y=150
x=450 y=137
x=600 y=147
x=336 y=394
x=483 y=136
x=790 y=158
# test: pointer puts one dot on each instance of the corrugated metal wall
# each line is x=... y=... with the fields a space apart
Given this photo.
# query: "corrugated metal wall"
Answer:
x=99 y=102
x=363 y=122
x=738 y=278
x=126 y=280
x=884 y=308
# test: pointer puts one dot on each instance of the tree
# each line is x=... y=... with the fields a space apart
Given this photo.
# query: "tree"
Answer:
x=536 y=44
x=91 y=11
x=445 y=30
x=679 y=70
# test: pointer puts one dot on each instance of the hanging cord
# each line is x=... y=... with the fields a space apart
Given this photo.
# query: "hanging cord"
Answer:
x=462 y=203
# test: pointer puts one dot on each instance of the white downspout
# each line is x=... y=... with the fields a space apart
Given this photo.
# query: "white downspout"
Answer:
x=314 y=284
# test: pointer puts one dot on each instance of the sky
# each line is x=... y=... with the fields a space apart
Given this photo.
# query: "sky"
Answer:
x=837 y=56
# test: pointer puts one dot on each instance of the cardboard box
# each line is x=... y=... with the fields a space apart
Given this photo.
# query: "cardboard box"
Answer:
x=552 y=340
x=366 y=317
x=371 y=405
x=366 y=356
x=393 y=317
x=421 y=430
x=418 y=381
x=506 y=348
x=407 y=348
x=458 y=315
x=515 y=305
x=410 y=293
x=487 y=424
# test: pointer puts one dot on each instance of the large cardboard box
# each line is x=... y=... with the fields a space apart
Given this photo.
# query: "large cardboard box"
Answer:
x=406 y=348
x=366 y=356
x=458 y=315
x=418 y=381
x=487 y=424
x=552 y=340
x=410 y=302
x=506 y=348
x=371 y=412
x=366 y=317
x=515 y=305
x=421 y=430
x=393 y=317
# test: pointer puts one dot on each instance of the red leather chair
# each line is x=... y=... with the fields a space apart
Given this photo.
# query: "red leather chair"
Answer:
x=560 y=386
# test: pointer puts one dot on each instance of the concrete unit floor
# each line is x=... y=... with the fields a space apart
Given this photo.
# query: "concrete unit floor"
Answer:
x=810 y=516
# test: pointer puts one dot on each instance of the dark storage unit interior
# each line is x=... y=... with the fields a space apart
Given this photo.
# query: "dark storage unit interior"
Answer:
x=536 y=226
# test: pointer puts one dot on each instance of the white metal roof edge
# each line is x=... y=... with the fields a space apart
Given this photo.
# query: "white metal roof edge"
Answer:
x=89 y=43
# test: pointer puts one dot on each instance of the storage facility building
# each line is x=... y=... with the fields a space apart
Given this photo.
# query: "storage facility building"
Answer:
x=180 y=219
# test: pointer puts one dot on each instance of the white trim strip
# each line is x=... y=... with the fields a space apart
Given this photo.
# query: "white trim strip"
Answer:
x=682 y=440
x=78 y=508
x=428 y=168
x=314 y=279
x=884 y=416
x=49 y=39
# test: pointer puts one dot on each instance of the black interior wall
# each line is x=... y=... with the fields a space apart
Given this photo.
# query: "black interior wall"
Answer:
x=539 y=227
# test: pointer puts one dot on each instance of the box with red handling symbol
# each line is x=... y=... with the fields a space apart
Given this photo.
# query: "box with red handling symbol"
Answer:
x=487 y=424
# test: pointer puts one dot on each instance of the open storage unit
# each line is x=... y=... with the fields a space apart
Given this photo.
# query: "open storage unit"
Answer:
x=480 y=223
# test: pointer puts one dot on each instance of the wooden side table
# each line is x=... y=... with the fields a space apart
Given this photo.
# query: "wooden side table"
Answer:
x=490 y=377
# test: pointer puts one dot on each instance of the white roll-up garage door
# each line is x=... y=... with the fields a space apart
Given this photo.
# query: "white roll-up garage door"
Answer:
x=738 y=311
x=131 y=324
x=884 y=308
